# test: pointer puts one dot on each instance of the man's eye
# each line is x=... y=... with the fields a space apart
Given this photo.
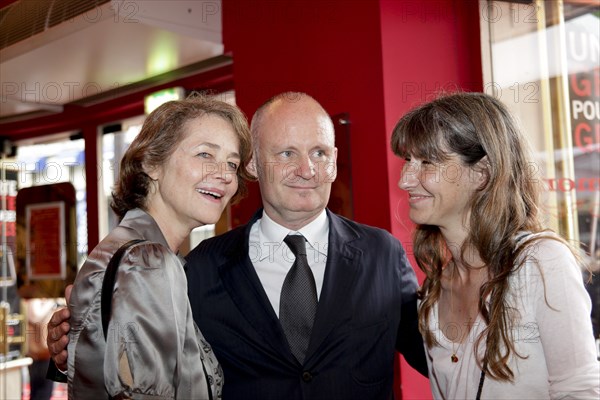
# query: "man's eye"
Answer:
x=204 y=154
x=286 y=153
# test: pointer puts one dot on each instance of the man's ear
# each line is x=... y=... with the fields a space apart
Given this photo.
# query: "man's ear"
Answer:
x=252 y=168
x=332 y=172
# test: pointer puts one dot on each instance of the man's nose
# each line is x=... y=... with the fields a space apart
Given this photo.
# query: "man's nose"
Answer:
x=306 y=168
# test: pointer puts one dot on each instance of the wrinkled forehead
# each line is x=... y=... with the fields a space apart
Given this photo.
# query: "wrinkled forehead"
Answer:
x=298 y=124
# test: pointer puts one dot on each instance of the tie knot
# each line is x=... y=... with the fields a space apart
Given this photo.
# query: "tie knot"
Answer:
x=296 y=243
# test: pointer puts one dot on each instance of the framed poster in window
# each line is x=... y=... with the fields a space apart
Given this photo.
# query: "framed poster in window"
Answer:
x=45 y=241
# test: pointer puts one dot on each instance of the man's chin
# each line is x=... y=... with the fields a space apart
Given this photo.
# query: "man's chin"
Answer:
x=309 y=209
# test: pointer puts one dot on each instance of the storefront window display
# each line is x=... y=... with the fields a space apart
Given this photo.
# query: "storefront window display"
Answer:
x=542 y=58
x=55 y=162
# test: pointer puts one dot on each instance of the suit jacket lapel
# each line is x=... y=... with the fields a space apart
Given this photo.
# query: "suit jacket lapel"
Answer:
x=343 y=261
x=243 y=286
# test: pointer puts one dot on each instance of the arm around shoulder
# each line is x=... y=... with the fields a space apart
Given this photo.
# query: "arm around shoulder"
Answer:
x=409 y=341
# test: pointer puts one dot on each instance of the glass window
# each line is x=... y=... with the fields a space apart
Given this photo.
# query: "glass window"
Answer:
x=56 y=162
x=542 y=59
x=114 y=145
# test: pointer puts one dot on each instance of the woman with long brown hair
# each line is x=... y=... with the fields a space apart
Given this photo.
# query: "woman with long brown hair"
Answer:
x=503 y=311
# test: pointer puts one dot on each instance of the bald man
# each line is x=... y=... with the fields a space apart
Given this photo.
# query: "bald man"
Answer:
x=365 y=287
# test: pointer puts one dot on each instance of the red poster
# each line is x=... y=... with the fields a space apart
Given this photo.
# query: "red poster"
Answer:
x=45 y=241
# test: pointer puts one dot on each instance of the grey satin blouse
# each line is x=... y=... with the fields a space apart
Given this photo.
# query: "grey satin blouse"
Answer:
x=153 y=348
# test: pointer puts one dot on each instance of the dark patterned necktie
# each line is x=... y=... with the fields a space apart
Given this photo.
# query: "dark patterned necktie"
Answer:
x=298 y=303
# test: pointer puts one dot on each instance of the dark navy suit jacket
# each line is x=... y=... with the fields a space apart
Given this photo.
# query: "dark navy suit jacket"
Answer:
x=367 y=310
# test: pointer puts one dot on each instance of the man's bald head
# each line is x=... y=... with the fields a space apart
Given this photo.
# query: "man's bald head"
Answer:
x=294 y=102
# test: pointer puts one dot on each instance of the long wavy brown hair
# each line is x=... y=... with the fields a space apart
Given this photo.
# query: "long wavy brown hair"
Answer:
x=474 y=126
x=162 y=130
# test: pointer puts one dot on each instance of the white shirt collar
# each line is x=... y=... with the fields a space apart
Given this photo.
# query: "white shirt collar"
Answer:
x=316 y=233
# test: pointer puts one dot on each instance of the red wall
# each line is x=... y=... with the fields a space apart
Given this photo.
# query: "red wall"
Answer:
x=428 y=47
x=332 y=51
x=372 y=59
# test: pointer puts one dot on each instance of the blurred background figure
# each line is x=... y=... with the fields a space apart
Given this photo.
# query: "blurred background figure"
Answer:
x=39 y=312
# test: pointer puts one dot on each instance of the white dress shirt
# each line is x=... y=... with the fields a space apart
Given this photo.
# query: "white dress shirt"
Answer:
x=272 y=259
